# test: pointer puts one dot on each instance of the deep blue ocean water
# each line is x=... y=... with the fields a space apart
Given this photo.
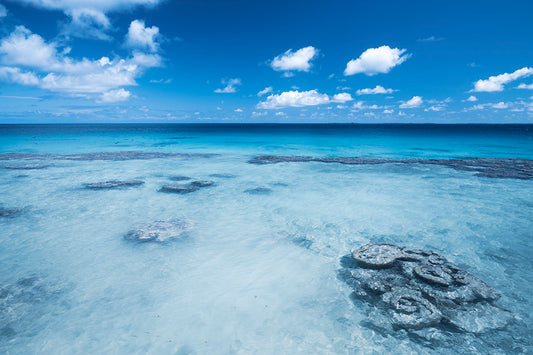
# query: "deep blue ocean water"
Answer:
x=255 y=269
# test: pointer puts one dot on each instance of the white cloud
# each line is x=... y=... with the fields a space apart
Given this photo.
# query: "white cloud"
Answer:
x=115 y=96
x=525 y=86
x=342 y=97
x=140 y=36
x=500 y=105
x=434 y=108
x=496 y=83
x=472 y=98
x=265 y=91
x=388 y=111
x=431 y=39
x=88 y=17
x=376 y=60
x=414 y=102
x=230 y=86
x=295 y=61
x=294 y=99
x=25 y=58
x=239 y=110
x=3 y=11
x=377 y=90
x=15 y=75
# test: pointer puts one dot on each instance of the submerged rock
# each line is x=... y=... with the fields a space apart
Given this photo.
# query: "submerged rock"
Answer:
x=202 y=183
x=190 y=187
x=259 y=191
x=420 y=292
x=179 y=178
x=24 y=303
x=513 y=168
x=9 y=212
x=159 y=231
x=223 y=176
x=113 y=183
x=27 y=166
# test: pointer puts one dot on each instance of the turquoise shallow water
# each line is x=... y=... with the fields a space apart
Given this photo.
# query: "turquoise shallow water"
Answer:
x=255 y=269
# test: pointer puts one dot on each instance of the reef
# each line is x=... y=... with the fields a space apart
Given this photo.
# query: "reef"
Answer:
x=486 y=167
x=187 y=188
x=159 y=231
x=179 y=178
x=27 y=166
x=24 y=303
x=9 y=212
x=259 y=191
x=420 y=294
x=113 y=156
x=113 y=184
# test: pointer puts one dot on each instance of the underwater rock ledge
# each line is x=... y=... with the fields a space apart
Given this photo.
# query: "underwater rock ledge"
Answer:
x=487 y=167
x=420 y=294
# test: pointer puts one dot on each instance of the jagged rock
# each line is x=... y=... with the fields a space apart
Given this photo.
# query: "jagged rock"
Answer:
x=159 y=231
x=113 y=183
x=415 y=290
x=377 y=255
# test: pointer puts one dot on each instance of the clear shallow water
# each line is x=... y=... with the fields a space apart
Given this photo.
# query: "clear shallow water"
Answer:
x=256 y=272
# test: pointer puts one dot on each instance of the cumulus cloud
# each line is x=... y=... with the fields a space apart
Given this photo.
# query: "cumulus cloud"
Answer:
x=525 y=86
x=230 y=86
x=294 y=99
x=342 y=97
x=376 y=60
x=295 y=61
x=414 y=102
x=26 y=59
x=115 y=95
x=265 y=91
x=3 y=11
x=377 y=90
x=472 y=98
x=88 y=17
x=142 y=37
x=496 y=83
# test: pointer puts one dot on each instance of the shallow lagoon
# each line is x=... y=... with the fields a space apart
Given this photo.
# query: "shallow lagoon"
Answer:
x=253 y=272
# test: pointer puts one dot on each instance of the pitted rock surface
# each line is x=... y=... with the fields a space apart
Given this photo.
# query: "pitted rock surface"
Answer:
x=159 y=231
x=420 y=292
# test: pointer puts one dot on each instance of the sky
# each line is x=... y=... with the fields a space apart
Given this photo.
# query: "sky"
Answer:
x=291 y=61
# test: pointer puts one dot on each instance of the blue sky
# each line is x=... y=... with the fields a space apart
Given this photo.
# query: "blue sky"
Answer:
x=69 y=61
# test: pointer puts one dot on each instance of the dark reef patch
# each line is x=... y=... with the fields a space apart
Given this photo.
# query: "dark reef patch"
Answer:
x=179 y=178
x=113 y=156
x=24 y=303
x=111 y=184
x=187 y=188
x=9 y=211
x=27 y=166
x=259 y=191
x=159 y=231
x=486 y=167
x=223 y=176
x=420 y=295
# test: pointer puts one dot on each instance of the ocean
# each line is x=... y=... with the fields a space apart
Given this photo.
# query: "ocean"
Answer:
x=233 y=239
